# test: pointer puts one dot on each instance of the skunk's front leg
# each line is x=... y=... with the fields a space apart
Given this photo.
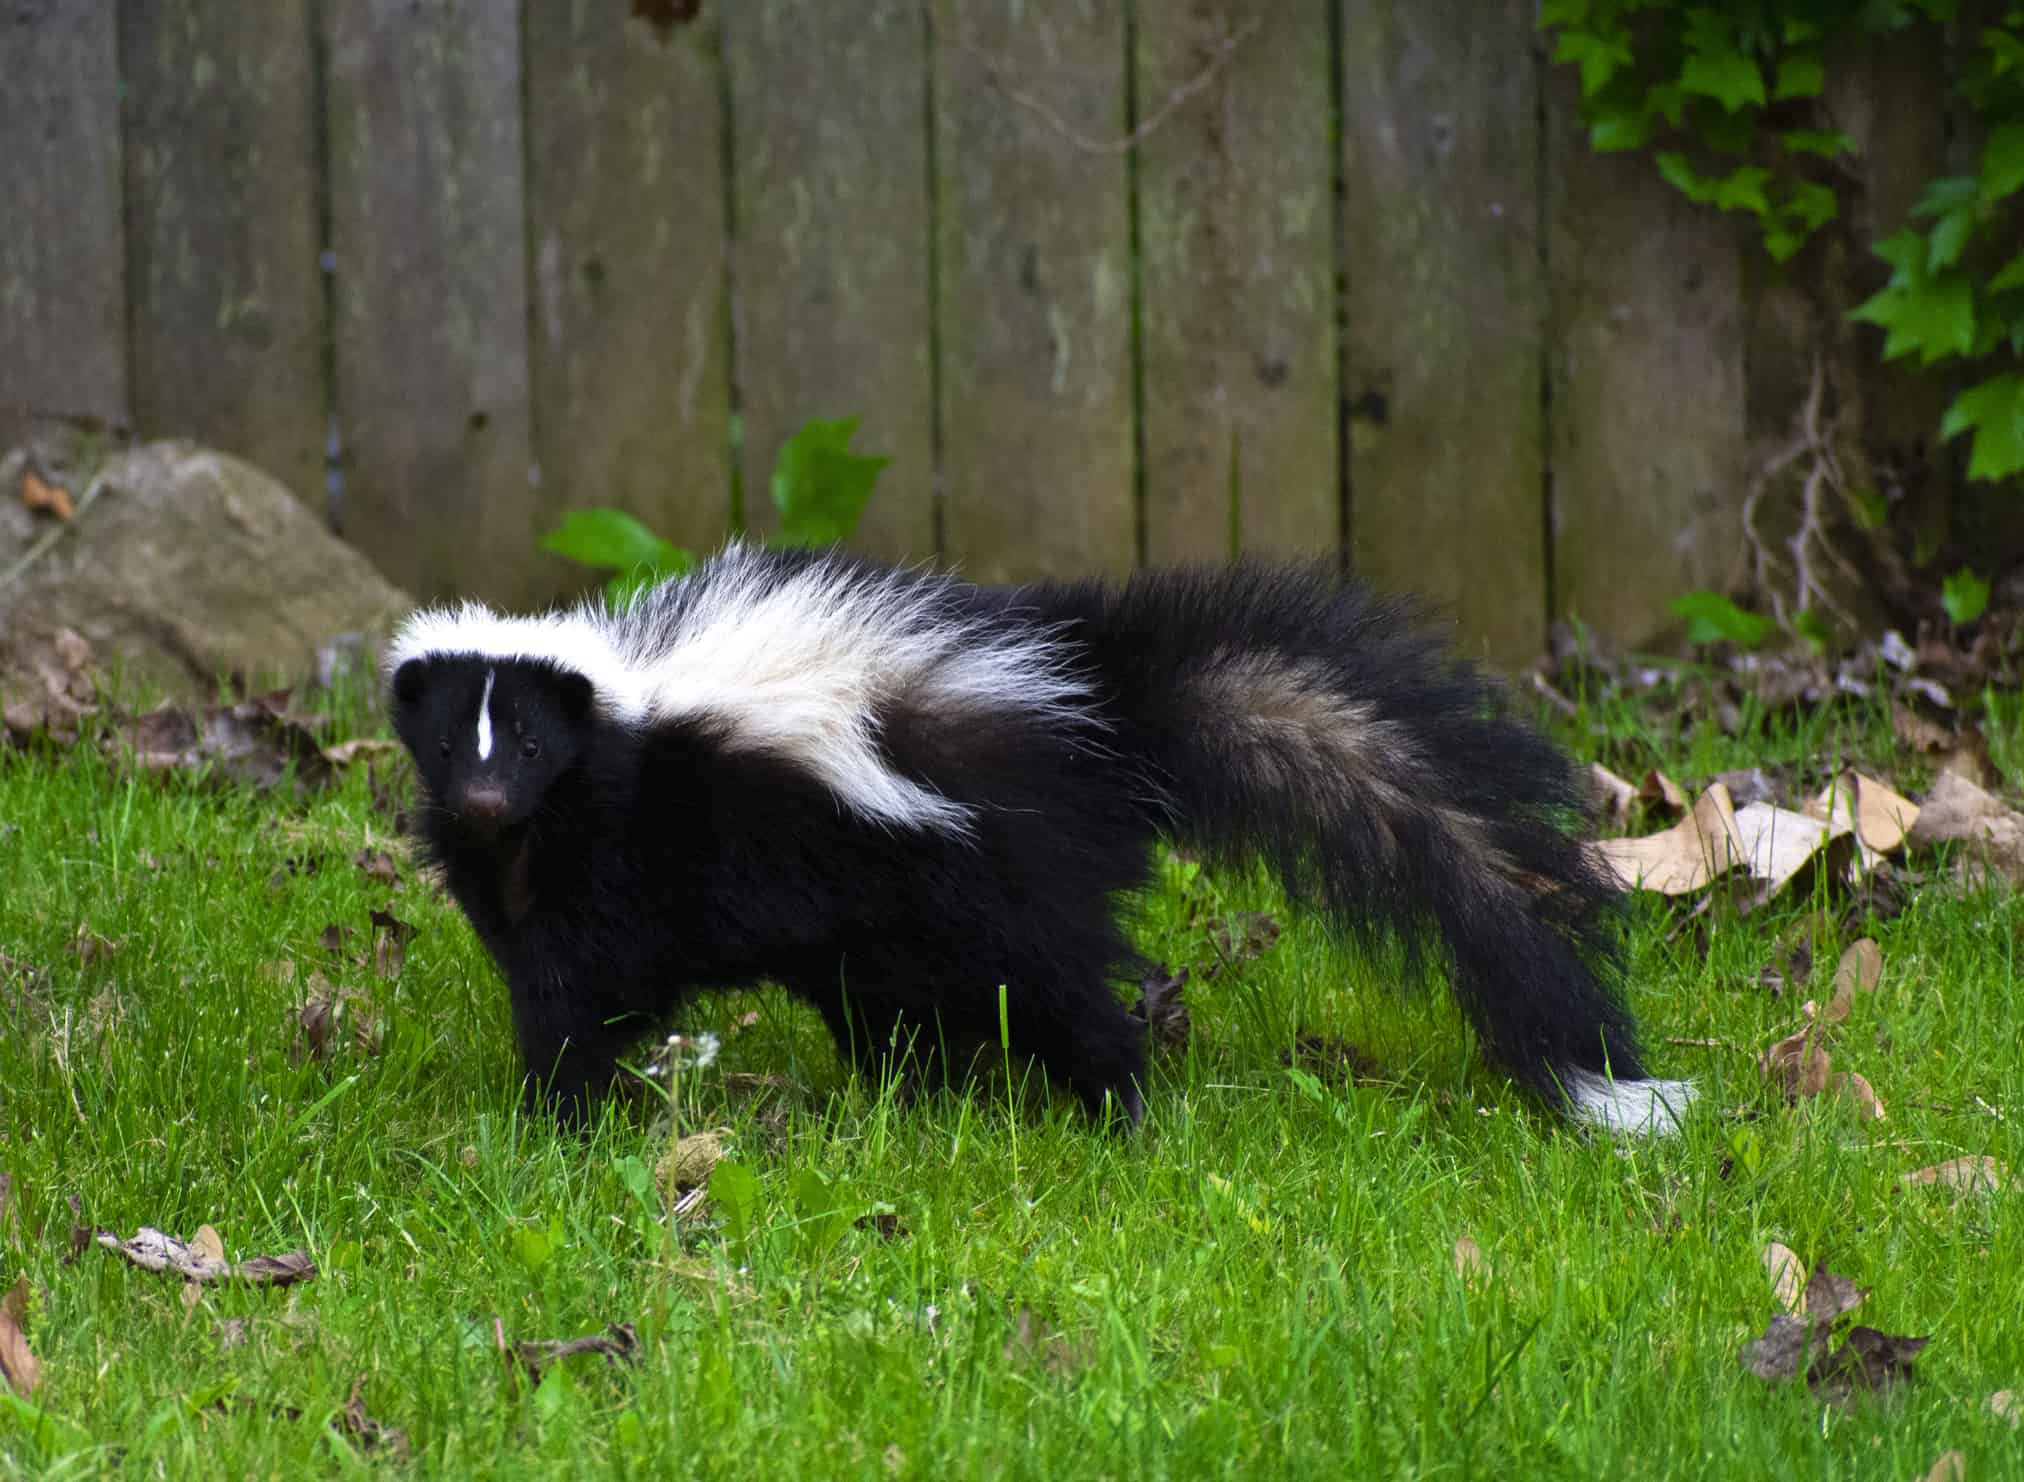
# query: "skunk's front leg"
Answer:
x=569 y=1051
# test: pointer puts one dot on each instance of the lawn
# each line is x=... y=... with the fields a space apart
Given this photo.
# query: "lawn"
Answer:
x=1266 y=1282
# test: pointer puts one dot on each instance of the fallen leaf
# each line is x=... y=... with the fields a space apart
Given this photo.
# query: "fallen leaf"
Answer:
x=344 y=753
x=1469 y=1263
x=1748 y=785
x=1869 y=1360
x=1787 y=1273
x=1829 y=1297
x=1798 y=1064
x=1787 y=1346
x=44 y=497
x=1949 y=1466
x=885 y=1225
x=618 y=1343
x=1858 y=1089
x=1701 y=847
x=1981 y=1175
x=151 y=1250
x=1777 y=843
x=377 y=864
x=1917 y=731
x=1610 y=797
x=1660 y=790
x=1160 y=1005
x=390 y=938
x=334 y=937
x=18 y=1364
x=89 y=947
x=1957 y=811
x=248 y=743
x=2005 y=1404
x=1859 y=971
x=368 y=1433
x=1245 y=936
x=231 y=1333
x=1034 y=1340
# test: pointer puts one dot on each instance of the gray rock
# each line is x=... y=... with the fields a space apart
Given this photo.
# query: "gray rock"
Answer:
x=186 y=567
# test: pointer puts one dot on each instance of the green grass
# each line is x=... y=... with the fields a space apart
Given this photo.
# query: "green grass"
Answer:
x=1262 y=1284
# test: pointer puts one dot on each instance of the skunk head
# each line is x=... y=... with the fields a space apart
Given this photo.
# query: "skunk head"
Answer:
x=490 y=736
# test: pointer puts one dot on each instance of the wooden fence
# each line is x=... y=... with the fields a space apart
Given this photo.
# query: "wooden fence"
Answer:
x=1110 y=281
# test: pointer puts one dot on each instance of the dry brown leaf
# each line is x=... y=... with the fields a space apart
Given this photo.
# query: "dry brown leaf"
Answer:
x=89 y=947
x=1950 y=1466
x=1035 y=1340
x=151 y=1250
x=1611 y=797
x=1858 y=1089
x=1778 y=843
x=2005 y=1404
x=18 y=1364
x=1982 y=1175
x=1659 y=790
x=1701 y=847
x=377 y=864
x=1957 y=811
x=1163 y=1006
x=1787 y=1273
x=1469 y=1263
x=1830 y=1297
x=1798 y=1064
x=618 y=1343
x=390 y=938
x=368 y=1433
x=1859 y=971
x=44 y=497
x=344 y=753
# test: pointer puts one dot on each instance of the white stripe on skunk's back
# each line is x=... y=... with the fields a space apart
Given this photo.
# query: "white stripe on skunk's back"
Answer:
x=795 y=658
x=799 y=663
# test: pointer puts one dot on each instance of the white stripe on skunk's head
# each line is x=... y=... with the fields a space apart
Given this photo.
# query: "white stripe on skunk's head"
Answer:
x=570 y=640
x=800 y=657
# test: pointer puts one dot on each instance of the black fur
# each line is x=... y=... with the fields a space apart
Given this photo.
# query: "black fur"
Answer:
x=632 y=866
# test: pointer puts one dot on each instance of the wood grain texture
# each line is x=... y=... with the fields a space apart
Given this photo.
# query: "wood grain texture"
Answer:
x=1236 y=241
x=625 y=195
x=1648 y=419
x=1035 y=296
x=62 y=254
x=828 y=105
x=1445 y=312
x=429 y=234
x=222 y=212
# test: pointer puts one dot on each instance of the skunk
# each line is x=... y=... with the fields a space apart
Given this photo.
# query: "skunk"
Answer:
x=900 y=796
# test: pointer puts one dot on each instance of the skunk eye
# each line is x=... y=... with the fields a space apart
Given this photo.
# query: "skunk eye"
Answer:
x=444 y=746
x=531 y=747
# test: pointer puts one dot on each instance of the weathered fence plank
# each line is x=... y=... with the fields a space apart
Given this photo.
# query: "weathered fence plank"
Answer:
x=1237 y=251
x=62 y=258
x=429 y=236
x=830 y=204
x=221 y=176
x=1647 y=421
x=1035 y=303
x=1445 y=311
x=626 y=222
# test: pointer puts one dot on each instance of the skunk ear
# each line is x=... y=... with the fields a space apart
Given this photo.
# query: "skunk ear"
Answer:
x=408 y=681
x=577 y=692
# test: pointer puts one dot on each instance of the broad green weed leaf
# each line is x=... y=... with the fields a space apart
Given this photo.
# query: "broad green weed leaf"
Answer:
x=820 y=487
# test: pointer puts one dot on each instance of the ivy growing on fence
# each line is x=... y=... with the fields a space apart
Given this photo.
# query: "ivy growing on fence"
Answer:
x=1727 y=97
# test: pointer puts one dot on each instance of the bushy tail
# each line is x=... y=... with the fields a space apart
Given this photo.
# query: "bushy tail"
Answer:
x=1287 y=715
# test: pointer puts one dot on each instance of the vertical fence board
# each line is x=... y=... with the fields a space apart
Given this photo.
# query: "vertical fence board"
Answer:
x=1445 y=310
x=1035 y=302
x=429 y=235
x=221 y=171
x=62 y=257
x=1647 y=417
x=625 y=195
x=828 y=105
x=1236 y=240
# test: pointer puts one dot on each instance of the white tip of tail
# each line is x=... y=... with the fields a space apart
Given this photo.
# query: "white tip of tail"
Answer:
x=1640 y=1108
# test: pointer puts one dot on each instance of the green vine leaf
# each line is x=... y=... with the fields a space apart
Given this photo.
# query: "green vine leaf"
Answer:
x=1994 y=410
x=2011 y=277
x=1965 y=596
x=1713 y=618
x=2003 y=162
x=1730 y=78
x=1802 y=75
x=1598 y=56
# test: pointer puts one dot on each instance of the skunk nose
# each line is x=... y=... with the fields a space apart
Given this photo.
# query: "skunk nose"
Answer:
x=484 y=804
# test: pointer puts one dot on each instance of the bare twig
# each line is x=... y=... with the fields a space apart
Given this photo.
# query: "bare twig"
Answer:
x=995 y=72
x=1814 y=446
